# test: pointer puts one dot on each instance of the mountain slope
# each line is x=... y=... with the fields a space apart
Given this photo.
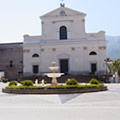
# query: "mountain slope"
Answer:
x=113 y=47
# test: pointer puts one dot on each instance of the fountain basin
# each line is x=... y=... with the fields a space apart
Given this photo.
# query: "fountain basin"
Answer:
x=54 y=68
x=51 y=75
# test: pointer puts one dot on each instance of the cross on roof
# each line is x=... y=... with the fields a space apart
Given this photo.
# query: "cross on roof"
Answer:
x=62 y=4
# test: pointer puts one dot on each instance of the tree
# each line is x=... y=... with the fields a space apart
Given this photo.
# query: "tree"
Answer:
x=115 y=66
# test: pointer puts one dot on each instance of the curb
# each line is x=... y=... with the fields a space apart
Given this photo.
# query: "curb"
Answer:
x=53 y=91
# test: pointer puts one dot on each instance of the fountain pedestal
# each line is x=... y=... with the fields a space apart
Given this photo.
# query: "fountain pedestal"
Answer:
x=54 y=81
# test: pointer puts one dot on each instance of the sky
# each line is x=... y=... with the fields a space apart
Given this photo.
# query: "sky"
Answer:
x=20 y=17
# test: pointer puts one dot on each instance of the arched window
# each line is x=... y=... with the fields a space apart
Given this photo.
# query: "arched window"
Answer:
x=93 y=53
x=35 y=55
x=63 y=32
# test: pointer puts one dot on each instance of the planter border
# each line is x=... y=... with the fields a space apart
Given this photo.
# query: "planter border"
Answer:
x=54 y=91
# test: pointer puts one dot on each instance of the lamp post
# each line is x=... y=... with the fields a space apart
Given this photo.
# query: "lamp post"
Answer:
x=106 y=70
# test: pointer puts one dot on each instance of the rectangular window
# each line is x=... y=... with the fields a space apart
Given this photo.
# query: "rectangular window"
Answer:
x=36 y=69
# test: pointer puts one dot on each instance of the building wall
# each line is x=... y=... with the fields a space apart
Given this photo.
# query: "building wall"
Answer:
x=78 y=55
x=11 y=52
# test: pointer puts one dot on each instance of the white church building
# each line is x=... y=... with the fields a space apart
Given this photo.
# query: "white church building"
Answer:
x=64 y=41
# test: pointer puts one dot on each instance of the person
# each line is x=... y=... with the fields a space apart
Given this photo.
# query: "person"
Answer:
x=114 y=78
x=42 y=82
x=36 y=81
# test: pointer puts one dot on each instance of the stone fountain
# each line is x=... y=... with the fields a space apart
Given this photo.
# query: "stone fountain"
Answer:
x=54 y=75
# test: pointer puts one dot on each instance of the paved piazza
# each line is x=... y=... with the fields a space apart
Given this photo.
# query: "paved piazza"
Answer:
x=88 y=106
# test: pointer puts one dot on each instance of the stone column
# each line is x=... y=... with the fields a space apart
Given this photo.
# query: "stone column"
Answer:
x=85 y=59
x=73 y=60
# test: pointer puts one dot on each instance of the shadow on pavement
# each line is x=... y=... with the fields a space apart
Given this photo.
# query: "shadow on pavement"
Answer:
x=67 y=97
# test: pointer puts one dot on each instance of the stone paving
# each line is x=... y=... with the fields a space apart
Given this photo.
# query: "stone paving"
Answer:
x=88 y=106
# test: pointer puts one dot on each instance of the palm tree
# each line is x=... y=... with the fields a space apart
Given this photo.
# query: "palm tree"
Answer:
x=115 y=66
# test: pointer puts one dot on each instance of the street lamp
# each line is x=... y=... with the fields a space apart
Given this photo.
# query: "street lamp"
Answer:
x=106 y=70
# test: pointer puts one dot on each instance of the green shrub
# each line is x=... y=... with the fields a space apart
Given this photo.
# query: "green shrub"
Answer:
x=71 y=81
x=94 y=81
x=45 y=82
x=13 y=83
x=56 y=87
x=24 y=87
x=5 y=80
x=27 y=83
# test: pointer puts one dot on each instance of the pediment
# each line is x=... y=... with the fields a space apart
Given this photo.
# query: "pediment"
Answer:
x=63 y=55
x=68 y=12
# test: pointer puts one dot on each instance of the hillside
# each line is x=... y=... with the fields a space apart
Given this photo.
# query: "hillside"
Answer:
x=113 y=47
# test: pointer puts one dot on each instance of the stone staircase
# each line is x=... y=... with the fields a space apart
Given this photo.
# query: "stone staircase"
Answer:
x=62 y=79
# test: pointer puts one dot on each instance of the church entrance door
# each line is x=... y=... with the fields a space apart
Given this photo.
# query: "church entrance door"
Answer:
x=93 y=68
x=36 y=69
x=64 y=68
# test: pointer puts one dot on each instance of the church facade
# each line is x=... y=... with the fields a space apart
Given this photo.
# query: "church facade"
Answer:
x=64 y=41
